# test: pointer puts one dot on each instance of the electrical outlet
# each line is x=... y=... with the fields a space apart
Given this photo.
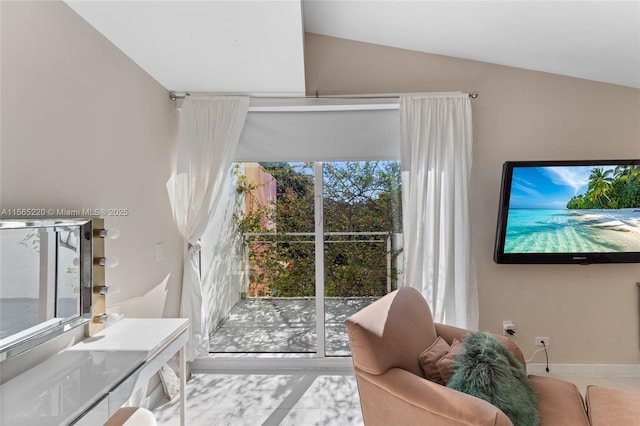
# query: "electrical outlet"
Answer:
x=539 y=341
x=159 y=251
x=508 y=328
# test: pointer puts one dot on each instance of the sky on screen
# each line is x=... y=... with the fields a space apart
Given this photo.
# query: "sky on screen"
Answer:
x=548 y=187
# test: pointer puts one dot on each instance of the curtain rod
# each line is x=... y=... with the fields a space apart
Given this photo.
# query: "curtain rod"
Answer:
x=174 y=96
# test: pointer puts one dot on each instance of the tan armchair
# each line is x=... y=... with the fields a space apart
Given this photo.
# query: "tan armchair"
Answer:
x=386 y=340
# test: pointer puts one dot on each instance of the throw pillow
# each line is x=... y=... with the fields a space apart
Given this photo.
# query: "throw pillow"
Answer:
x=430 y=356
x=445 y=364
x=485 y=368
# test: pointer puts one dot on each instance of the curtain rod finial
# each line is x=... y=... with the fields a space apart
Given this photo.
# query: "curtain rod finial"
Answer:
x=473 y=95
x=178 y=99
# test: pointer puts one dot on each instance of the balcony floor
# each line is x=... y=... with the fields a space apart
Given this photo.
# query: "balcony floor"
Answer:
x=285 y=325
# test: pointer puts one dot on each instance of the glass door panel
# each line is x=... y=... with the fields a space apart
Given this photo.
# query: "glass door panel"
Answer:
x=274 y=212
x=361 y=203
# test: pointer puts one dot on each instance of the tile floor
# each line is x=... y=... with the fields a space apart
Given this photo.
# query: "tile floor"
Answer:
x=285 y=325
x=262 y=399
x=300 y=399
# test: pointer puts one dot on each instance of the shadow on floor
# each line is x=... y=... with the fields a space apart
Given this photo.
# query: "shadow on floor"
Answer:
x=285 y=325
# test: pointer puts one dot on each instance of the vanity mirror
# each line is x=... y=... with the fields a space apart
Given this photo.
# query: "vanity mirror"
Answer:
x=45 y=280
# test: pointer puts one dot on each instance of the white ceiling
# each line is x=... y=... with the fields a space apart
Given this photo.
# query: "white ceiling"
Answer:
x=249 y=47
x=594 y=40
x=256 y=47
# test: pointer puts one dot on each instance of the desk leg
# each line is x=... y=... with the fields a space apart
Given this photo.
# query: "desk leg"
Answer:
x=183 y=384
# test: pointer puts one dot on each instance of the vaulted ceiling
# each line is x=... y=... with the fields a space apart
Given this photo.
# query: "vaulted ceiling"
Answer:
x=257 y=47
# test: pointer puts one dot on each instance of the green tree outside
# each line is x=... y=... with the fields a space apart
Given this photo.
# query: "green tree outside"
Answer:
x=358 y=197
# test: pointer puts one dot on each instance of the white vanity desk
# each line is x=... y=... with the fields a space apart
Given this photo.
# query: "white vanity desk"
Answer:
x=86 y=383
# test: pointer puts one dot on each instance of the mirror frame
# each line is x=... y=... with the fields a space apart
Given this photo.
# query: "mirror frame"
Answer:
x=45 y=334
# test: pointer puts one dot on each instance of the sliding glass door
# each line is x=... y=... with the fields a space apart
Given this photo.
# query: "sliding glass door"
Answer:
x=319 y=242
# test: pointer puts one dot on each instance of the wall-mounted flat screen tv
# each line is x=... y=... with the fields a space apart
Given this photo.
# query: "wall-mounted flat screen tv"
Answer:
x=578 y=212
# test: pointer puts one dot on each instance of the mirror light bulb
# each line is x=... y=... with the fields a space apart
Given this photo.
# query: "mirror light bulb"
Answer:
x=111 y=233
x=110 y=262
x=104 y=290
x=113 y=318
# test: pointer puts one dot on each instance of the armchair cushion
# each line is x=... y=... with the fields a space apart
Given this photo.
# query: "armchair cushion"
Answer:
x=430 y=357
x=445 y=364
x=612 y=406
x=398 y=397
x=559 y=402
x=486 y=369
x=437 y=360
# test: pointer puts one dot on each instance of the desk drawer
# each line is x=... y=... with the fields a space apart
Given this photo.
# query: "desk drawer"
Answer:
x=96 y=415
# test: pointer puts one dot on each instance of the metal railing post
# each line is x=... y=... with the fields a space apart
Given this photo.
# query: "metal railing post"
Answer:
x=246 y=261
x=388 y=263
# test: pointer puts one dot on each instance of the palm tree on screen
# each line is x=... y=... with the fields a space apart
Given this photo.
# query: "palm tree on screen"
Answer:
x=599 y=184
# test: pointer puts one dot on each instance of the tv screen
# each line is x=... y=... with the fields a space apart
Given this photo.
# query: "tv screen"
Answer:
x=569 y=212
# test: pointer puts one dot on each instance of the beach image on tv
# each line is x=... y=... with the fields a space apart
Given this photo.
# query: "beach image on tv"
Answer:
x=574 y=209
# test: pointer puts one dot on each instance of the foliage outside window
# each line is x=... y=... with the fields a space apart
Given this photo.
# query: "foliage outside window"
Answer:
x=361 y=215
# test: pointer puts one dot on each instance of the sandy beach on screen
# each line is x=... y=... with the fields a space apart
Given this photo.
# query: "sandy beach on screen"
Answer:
x=623 y=220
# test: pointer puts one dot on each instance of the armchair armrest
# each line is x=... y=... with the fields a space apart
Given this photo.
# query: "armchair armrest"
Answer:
x=401 y=398
x=449 y=332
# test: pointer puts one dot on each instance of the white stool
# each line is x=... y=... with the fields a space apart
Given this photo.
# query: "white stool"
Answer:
x=132 y=416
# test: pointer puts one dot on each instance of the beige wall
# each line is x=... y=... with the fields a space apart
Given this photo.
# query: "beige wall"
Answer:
x=84 y=127
x=590 y=313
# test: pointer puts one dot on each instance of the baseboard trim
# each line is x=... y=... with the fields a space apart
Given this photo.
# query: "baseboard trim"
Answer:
x=239 y=365
x=587 y=370
x=286 y=365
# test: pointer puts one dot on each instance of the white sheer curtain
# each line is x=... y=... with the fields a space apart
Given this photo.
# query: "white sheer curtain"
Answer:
x=208 y=134
x=436 y=141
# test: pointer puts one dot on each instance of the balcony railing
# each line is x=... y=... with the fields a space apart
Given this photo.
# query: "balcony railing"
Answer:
x=279 y=310
x=270 y=256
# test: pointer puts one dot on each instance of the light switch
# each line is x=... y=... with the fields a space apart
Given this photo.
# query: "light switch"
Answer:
x=159 y=251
